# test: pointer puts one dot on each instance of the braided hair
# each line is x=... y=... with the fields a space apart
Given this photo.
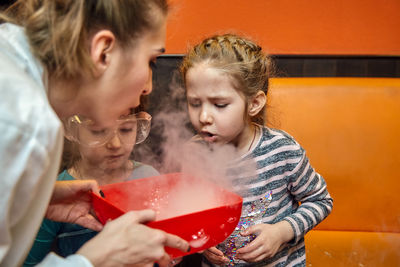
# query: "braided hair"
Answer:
x=238 y=57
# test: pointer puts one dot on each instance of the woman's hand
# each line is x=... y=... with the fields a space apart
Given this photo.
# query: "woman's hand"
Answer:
x=215 y=256
x=71 y=203
x=270 y=238
x=126 y=241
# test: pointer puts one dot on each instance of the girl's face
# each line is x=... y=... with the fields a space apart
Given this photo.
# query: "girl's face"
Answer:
x=112 y=155
x=216 y=109
x=125 y=78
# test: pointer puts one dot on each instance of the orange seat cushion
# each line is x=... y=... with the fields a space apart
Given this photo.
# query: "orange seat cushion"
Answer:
x=350 y=129
x=352 y=249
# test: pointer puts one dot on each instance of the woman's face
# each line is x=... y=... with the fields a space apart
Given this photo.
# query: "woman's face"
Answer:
x=119 y=87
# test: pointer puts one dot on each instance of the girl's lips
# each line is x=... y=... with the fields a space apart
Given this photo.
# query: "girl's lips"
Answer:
x=114 y=156
x=208 y=137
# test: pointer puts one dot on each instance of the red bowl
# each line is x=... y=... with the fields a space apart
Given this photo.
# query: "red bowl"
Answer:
x=199 y=211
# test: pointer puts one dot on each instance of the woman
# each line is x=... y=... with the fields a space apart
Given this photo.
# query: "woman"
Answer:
x=73 y=57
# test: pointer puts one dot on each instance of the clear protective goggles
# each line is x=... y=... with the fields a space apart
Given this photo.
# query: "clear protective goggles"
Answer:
x=131 y=129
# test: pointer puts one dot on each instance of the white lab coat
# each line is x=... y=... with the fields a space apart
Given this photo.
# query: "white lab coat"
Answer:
x=31 y=142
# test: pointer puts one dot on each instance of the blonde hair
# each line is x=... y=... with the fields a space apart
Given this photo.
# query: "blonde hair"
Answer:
x=238 y=57
x=58 y=30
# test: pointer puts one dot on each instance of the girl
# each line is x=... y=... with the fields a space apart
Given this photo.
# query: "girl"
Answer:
x=104 y=155
x=226 y=80
x=60 y=58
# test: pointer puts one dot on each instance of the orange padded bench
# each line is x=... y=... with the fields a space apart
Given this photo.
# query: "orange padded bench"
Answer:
x=350 y=129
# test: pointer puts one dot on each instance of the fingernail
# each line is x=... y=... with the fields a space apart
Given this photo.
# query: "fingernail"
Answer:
x=102 y=194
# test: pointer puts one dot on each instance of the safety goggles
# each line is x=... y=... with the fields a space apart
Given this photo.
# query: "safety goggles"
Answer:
x=131 y=129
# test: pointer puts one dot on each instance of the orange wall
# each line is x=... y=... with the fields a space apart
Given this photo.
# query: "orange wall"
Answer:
x=316 y=27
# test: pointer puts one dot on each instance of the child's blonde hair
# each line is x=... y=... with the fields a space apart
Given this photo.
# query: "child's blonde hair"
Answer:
x=239 y=58
x=58 y=30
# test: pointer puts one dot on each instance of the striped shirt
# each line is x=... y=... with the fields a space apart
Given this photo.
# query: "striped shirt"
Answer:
x=281 y=166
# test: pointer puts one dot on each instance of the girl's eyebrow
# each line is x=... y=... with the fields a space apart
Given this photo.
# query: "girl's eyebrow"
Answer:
x=214 y=98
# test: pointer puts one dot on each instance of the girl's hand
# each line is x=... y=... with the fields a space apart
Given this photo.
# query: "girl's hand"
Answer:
x=126 y=241
x=270 y=238
x=71 y=203
x=215 y=256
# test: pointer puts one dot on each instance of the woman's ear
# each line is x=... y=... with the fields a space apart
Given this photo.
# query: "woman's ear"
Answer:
x=256 y=103
x=101 y=46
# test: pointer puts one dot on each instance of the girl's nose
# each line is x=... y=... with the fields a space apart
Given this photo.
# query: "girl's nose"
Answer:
x=205 y=116
x=114 y=142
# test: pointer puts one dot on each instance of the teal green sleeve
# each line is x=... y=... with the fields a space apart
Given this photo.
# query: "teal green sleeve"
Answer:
x=43 y=242
x=46 y=236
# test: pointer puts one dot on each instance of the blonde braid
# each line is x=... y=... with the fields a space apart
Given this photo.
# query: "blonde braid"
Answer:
x=238 y=57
